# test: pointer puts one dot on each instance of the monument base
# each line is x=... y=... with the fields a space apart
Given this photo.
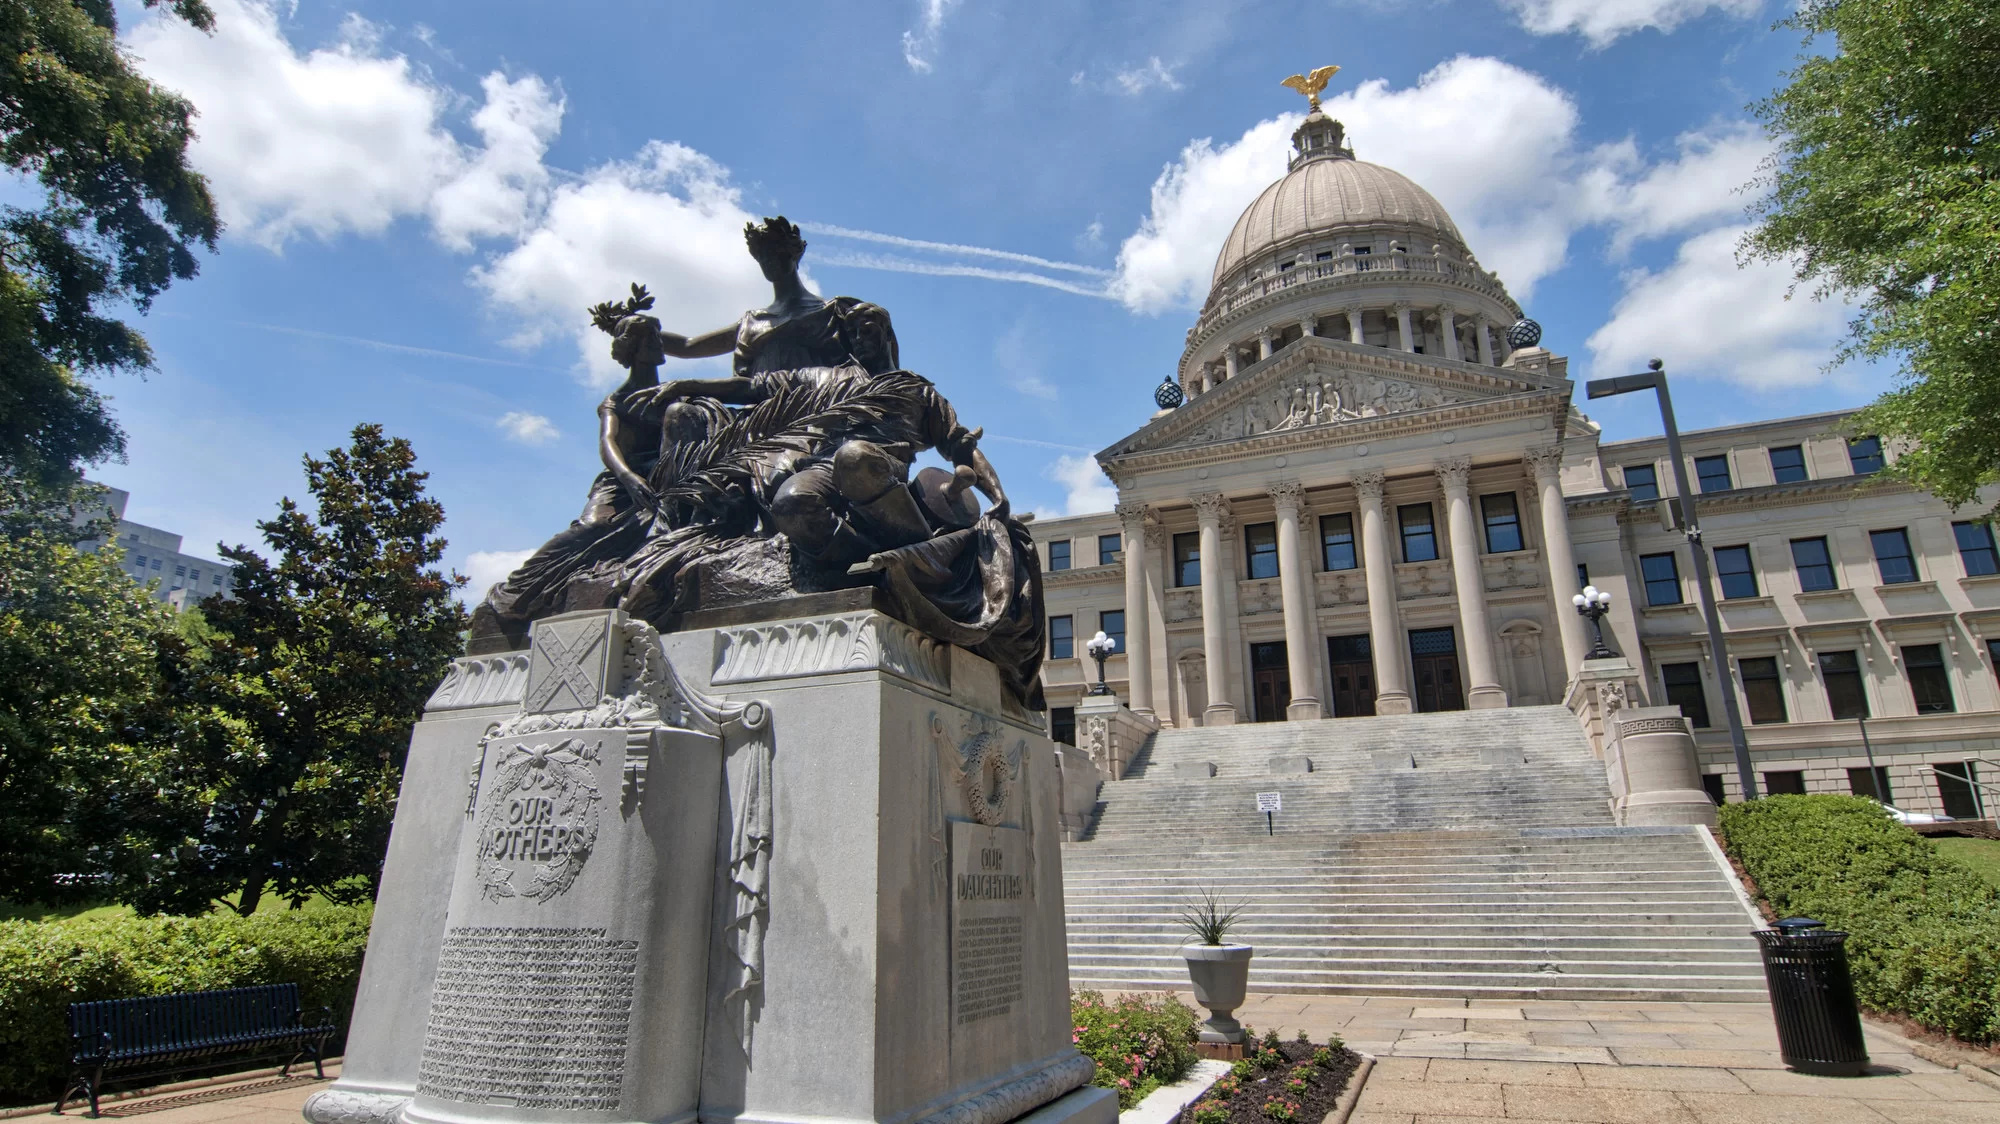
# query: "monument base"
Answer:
x=775 y=870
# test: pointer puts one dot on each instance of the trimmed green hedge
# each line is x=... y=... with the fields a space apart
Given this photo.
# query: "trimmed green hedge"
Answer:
x=44 y=967
x=1924 y=929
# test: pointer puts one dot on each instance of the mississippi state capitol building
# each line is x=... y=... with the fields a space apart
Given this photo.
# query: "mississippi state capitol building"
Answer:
x=1375 y=497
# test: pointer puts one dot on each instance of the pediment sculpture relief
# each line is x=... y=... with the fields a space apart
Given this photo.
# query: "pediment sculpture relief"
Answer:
x=1301 y=402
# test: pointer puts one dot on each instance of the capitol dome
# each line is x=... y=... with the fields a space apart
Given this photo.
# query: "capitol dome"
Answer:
x=1344 y=249
x=1322 y=197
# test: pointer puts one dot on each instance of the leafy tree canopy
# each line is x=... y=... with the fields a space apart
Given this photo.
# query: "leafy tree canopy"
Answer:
x=122 y=218
x=281 y=752
x=81 y=646
x=1886 y=186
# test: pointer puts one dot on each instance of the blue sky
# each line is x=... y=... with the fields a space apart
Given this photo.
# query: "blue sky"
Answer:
x=422 y=198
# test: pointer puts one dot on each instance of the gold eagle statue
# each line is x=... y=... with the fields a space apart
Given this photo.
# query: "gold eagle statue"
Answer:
x=1311 y=84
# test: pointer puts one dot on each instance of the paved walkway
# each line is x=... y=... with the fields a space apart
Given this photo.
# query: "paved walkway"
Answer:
x=1444 y=1062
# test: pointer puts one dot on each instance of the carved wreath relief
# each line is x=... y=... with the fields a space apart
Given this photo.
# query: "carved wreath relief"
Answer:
x=541 y=815
x=979 y=762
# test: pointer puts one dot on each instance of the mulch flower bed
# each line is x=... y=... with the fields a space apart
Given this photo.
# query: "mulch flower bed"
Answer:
x=1294 y=1082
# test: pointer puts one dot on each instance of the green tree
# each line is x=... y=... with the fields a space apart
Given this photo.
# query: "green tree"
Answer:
x=1886 y=188
x=277 y=762
x=121 y=219
x=81 y=646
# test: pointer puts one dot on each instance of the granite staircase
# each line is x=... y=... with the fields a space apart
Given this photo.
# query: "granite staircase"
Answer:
x=1470 y=854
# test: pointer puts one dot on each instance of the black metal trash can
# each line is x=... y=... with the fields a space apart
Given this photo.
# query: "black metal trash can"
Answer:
x=1812 y=998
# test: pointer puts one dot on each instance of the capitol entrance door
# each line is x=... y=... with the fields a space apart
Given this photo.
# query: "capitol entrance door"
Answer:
x=1271 y=682
x=1351 y=664
x=1434 y=664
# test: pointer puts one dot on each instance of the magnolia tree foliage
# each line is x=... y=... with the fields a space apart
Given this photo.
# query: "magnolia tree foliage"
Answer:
x=283 y=731
x=1886 y=187
x=121 y=217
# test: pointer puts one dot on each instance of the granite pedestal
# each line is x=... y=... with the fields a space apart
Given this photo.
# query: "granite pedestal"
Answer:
x=824 y=884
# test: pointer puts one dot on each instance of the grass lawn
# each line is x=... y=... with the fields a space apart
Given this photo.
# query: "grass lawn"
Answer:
x=99 y=911
x=1982 y=855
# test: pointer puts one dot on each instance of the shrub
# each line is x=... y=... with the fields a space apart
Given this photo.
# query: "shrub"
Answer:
x=1923 y=930
x=1323 y=1057
x=1281 y=1109
x=44 y=967
x=1139 y=1042
x=1211 y=1112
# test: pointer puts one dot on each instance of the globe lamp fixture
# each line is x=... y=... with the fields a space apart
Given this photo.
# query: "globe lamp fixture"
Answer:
x=1100 y=648
x=1592 y=604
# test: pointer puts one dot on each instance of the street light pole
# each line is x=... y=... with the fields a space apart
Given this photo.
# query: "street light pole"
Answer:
x=1655 y=379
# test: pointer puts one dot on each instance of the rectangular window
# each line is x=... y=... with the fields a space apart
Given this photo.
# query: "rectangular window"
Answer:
x=1763 y=690
x=1893 y=557
x=1108 y=547
x=1864 y=455
x=1874 y=783
x=139 y=561
x=215 y=580
x=1663 y=579
x=1062 y=724
x=1420 y=542
x=1643 y=481
x=1582 y=575
x=1814 y=564
x=1785 y=782
x=1059 y=555
x=194 y=576
x=1993 y=656
x=1503 y=522
x=1954 y=781
x=1336 y=542
x=1788 y=464
x=1713 y=473
x=1975 y=548
x=1112 y=623
x=1323 y=255
x=1062 y=638
x=156 y=563
x=1711 y=783
x=180 y=571
x=1929 y=681
x=1260 y=547
x=1841 y=673
x=1187 y=559
x=1732 y=570
x=1684 y=690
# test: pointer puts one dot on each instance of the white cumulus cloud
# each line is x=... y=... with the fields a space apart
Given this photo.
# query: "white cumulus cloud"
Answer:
x=669 y=218
x=1711 y=319
x=485 y=569
x=528 y=429
x=504 y=185
x=1703 y=187
x=1603 y=21
x=1150 y=75
x=1495 y=143
x=1086 y=487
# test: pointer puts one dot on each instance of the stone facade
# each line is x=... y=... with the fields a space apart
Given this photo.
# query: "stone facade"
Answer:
x=153 y=555
x=1370 y=503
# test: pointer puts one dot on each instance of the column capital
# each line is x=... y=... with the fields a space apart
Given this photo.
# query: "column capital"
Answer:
x=1288 y=495
x=1544 y=463
x=1369 y=485
x=1454 y=473
x=1400 y=307
x=1155 y=535
x=1211 y=507
x=1447 y=310
x=1481 y=319
x=1134 y=517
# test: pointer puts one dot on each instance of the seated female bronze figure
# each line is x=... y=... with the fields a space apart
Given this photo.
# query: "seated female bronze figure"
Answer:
x=806 y=449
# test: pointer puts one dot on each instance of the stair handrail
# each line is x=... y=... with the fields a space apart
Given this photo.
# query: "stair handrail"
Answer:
x=1978 y=787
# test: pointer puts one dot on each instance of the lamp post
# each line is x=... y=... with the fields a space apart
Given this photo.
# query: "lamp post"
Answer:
x=1100 y=648
x=1655 y=379
x=1592 y=604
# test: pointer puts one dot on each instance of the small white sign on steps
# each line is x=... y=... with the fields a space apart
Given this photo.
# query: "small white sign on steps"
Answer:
x=1270 y=802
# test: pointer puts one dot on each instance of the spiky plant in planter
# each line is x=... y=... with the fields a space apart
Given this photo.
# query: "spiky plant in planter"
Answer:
x=1219 y=969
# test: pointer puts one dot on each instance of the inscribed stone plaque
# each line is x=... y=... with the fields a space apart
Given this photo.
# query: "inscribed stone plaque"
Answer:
x=993 y=894
x=530 y=1017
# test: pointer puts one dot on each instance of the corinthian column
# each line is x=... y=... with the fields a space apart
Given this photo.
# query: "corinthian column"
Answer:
x=1295 y=585
x=1448 y=327
x=1210 y=509
x=1385 y=630
x=1138 y=609
x=1405 y=334
x=1485 y=692
x=1546 y=465
x=1484 y=329
x=1354 y=325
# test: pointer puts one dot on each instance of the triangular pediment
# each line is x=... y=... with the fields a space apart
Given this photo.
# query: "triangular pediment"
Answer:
x=1330 y=386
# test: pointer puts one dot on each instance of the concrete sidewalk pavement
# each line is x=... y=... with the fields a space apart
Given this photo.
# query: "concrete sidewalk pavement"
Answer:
x=1453 y=1062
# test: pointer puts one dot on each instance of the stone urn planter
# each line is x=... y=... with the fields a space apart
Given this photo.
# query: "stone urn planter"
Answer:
x=1219 y=967
x=1221 y=976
